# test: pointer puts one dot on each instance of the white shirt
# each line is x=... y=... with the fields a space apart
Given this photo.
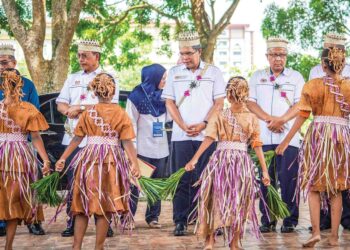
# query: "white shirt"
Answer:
x=317 y=72
x=262 y=91
x=74 y=92
x=195 y=107
x=146 y=144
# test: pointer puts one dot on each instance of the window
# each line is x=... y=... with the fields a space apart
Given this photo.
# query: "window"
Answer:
x=222 y=44
x=237 y=51
x=222 y=53
x=237 y=63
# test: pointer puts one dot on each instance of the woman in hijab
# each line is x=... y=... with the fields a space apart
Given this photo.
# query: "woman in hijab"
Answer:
x=148 y=115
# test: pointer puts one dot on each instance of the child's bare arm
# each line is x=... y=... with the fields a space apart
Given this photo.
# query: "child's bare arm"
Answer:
x=299 y=121
x=204 y=145
x=131 y=152
x=69 y=150
x=39 y=146
x=259 y=153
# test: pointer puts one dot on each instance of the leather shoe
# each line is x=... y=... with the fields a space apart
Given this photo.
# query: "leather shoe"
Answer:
x=287 y=229
x=36 y=229
x=69 y=232
x=322 y=227
x=110 y=232
x=219 y=231
x=267 y=228
x=2 y=231
x=179 y=230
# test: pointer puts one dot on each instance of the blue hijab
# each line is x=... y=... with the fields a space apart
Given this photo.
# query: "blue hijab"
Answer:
x=146 y=95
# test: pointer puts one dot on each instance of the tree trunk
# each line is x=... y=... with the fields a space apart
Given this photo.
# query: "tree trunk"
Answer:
x=47 y=75
x=207 y=27
x=209 y=44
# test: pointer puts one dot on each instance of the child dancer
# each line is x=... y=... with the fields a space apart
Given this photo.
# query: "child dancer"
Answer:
x=18 y=166
x=228 y=185
x=101 y=170
x=324 y=154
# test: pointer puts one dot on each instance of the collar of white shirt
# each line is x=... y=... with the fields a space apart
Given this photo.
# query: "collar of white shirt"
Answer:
x=95 y=72
x=201 y=66
x=285 y=72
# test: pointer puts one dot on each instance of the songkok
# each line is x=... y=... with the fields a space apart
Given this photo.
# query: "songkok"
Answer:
x=188 y=39
x=333 y=39
x=89 y=45
x=7 y=50
x=277 y=42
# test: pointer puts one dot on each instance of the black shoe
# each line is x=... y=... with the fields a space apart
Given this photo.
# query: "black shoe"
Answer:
x=287 y=229
x=267 y=228
x=2 y=231
x=179 y=230
x=36 y=229
x=69 y=232
x=322 y=228
x=110 y=232
x=219 y=231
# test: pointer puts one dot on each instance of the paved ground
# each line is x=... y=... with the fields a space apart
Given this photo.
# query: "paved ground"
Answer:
x=145 y=238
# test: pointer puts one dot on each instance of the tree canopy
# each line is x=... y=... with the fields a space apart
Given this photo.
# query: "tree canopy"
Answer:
x=304 y=23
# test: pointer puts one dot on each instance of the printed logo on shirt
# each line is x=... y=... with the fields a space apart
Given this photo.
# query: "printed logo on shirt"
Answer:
x=77 y=82
x=263 y=80
x=180 y=77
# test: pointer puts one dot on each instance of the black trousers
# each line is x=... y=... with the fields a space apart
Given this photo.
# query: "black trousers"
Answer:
x=183 y=152
x=284 y=169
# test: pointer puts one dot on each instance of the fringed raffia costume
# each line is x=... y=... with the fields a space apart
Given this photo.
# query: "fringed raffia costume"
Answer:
x=18 y=165
x=228 y=184
x=324 y=156
x=101 y=171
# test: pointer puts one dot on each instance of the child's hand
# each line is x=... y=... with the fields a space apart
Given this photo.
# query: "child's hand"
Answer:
x=60 y=165
x=190 y=165
x=135 y=171
x=281 y=148
x=266 y=178
x=46 y=168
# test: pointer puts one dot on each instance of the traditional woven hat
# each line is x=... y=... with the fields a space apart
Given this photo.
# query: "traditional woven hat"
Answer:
x=188 y=39
x=89 y=45
x=7 y=50
x=276 y=42
x=333 y=39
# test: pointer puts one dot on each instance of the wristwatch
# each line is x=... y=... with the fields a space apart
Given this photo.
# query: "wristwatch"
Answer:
x=82 y=107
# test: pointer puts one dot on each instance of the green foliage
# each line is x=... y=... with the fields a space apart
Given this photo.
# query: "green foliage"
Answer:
x=302 y=63
x=305 y=22
x=25 y=12
x=237 y=71
x=129 y=78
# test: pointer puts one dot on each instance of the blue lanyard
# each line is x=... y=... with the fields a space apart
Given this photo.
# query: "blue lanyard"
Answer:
x=155 y=111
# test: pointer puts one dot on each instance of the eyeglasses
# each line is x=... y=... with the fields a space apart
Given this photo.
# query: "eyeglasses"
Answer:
x=4 y=63
x=188 y=54
x=275 y=56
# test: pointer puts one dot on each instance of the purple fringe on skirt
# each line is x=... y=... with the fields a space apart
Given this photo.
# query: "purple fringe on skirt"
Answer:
x=18 y=162
x=228 y=183
x=325 y=149
x=96 y=154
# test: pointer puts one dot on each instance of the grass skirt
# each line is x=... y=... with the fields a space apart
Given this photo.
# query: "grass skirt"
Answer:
x=101 y=180
x=18 y=169
x=227 y=193
x=324 y=157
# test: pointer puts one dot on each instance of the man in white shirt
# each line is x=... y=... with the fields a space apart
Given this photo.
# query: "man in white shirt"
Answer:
x=73 y=99
x=273 y=95
x=333 y=40
x=194 y=91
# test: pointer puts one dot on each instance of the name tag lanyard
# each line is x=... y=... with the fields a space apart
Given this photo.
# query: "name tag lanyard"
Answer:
x=157 y=127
